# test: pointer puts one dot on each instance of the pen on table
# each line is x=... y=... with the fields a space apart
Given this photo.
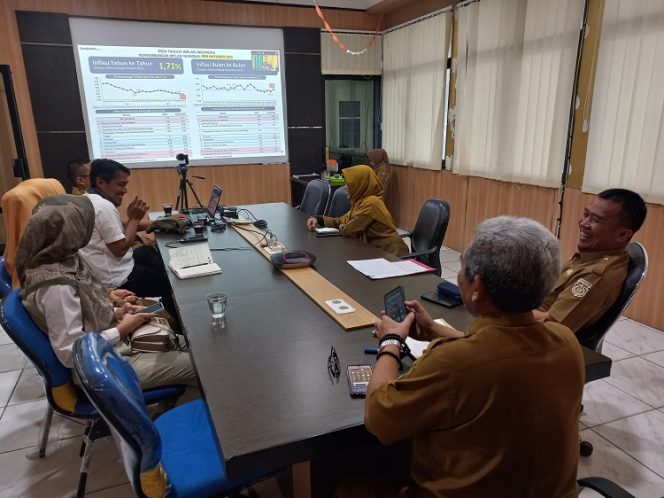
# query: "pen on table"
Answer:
x=192 y=266
x=370 y=350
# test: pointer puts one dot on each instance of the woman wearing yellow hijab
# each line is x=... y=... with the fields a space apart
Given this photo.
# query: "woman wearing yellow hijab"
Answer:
x=368 y=218
x=17 y=206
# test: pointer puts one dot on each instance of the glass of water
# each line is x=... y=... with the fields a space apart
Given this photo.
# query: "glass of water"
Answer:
x=217 y=303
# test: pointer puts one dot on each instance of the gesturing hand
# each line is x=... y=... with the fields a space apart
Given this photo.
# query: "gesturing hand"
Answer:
x=137 y=209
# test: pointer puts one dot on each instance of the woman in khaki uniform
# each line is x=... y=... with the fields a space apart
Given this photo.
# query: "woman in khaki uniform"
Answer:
x=368 y=218
x=381 y=165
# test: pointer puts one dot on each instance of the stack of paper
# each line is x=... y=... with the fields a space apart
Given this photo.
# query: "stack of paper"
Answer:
x=192 y=261
x=382 y=268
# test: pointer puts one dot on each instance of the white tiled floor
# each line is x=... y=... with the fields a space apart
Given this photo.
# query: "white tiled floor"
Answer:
x=623 y=418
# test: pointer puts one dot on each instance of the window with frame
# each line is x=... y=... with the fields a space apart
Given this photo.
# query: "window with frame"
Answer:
x=350 y=114
x=349 y=124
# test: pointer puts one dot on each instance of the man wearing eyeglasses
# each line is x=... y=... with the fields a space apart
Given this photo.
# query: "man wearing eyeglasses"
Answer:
x=492 y=412
x=591 y=281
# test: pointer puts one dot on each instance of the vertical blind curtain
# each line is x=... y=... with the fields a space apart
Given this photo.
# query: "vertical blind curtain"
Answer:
x=514 y=81
x=626 y=140
x=414 y=61
x=335 y=61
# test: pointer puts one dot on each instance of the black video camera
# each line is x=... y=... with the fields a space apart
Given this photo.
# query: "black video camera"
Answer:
x=183 y=167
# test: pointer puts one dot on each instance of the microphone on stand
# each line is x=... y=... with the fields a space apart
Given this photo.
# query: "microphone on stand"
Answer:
x=199 y=177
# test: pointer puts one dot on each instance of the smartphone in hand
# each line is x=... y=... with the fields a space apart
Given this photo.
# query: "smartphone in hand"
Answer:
x=395 y=306
x=153 y=308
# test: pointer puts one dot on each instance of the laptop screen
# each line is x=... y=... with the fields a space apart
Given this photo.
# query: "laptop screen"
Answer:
x=215 y=197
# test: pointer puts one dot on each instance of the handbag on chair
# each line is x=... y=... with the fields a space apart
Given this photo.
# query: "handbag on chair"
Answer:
x=156 y=336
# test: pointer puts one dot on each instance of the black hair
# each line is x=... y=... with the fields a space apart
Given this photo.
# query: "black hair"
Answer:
x=105 y=169
x=74 y=168
x=633 y=209
x=344 y=161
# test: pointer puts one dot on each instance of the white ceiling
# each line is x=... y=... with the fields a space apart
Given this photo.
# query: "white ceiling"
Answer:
x=341 y=4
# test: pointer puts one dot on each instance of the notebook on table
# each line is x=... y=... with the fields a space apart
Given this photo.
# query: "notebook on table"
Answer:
x=192 y=261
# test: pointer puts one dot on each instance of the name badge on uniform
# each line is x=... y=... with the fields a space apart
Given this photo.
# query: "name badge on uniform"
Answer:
x=581 y=288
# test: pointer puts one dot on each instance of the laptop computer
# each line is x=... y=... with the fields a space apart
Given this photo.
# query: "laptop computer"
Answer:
x=195 y=216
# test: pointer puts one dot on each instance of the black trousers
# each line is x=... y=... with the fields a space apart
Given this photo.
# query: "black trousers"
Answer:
x=148 y=278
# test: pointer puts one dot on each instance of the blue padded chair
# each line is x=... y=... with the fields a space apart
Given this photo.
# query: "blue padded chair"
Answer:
x=63 y=396
x=315 y=198
x=340 y=203
x=175 y=456
x=5 y=279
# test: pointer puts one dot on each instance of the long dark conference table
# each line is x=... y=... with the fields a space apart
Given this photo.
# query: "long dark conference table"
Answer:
x=264 y=375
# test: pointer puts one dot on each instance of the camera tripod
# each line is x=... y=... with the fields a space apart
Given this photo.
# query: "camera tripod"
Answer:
x=182 y=202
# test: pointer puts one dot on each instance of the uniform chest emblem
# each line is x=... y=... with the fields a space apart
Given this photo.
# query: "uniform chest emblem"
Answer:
x=581 y=288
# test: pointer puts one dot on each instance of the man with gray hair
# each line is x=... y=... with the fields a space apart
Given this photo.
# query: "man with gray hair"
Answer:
x=492 y=412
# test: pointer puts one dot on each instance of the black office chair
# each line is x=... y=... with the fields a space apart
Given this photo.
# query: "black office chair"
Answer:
x=604 y=487
x=340 y=202
x=426 y=239
x=593 y=336
x=315 y=198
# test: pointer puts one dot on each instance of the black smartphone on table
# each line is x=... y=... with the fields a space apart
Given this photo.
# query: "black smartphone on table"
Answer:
x=395 y=306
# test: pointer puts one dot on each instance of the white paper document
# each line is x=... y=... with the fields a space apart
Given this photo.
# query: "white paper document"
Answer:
x=418 y=347
x=192 y=261
x=382 y=268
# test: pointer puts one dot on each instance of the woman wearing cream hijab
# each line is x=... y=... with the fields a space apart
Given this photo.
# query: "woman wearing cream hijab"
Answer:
x=368 y=218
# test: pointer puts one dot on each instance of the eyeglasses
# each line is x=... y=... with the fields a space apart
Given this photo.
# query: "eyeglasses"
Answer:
x=333 y=363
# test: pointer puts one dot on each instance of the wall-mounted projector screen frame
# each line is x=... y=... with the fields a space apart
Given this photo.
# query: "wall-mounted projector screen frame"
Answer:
x=152 y=90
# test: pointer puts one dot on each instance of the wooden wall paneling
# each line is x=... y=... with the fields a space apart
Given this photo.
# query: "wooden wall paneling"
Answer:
x=204 y=12
x=411 y=187
x=647 y=304
x=11 y=55
x=242 y=184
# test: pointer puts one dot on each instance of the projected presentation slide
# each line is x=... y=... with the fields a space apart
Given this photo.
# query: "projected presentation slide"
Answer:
x=147 y=104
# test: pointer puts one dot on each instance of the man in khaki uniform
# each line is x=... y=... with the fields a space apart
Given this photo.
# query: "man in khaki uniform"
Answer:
x=592 y=279
x=494 y=412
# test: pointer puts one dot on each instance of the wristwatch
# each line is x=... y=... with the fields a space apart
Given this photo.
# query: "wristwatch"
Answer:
x=390 y=342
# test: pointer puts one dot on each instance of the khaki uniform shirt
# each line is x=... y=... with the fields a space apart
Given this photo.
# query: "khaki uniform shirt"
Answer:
x=372 y=232
x=492 y=414
x=589 y=283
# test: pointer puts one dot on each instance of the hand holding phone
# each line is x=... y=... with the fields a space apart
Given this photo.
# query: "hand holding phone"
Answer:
x=153 y=308
x=395 y=306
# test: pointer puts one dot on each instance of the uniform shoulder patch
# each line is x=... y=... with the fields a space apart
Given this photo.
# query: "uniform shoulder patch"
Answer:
x=581 y=288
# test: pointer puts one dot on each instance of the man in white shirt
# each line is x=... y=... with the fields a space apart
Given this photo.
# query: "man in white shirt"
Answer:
x=109 y=252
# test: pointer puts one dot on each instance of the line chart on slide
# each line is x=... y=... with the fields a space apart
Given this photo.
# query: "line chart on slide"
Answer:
x=139 y=92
